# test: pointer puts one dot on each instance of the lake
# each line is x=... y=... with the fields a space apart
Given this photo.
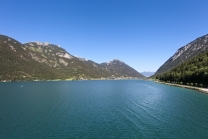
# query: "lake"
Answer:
x=107 y=109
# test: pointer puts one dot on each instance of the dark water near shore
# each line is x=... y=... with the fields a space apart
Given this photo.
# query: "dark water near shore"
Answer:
x=101 y=109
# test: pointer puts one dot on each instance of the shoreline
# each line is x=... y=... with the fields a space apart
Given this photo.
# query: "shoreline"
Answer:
x=73 y=80
x=199 y=89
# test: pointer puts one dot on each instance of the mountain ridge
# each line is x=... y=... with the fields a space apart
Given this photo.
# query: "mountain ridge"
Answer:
x=50 y=61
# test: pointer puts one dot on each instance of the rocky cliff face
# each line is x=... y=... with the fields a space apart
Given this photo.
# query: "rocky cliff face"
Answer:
x=38 y=61
x=185 y=53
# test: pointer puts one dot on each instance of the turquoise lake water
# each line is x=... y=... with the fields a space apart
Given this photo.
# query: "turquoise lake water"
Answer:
x=123 y=109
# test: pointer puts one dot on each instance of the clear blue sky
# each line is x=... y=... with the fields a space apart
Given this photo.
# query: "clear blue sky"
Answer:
x=142 y=33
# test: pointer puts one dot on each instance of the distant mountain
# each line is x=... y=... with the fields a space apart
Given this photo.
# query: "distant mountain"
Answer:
x=147 y=73
x=45 y=61
x=185 y=53
x=192 y=72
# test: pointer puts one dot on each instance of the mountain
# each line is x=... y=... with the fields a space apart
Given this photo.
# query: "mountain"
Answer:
x=147 y=73
x=119 y=69
x=45 y=61
x=192 y=72
x=185 y=53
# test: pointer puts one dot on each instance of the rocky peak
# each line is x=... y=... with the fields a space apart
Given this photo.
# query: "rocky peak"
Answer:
x=114 y=61
x=185 y=53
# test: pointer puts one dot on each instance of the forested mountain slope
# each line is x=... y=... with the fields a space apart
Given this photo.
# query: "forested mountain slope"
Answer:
x=185 y=53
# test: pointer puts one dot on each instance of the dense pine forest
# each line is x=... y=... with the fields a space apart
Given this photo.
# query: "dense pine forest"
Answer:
x=193 y=72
